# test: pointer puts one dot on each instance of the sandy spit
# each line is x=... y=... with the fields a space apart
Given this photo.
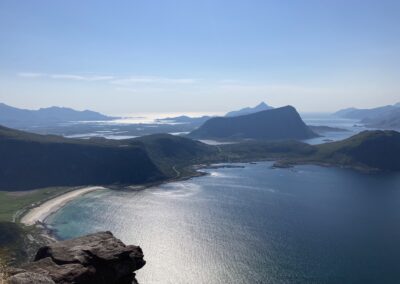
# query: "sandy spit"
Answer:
x=41 y=212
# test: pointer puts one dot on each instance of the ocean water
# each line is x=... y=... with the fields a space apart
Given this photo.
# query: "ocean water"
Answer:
x=351 y=127
x=254 y=224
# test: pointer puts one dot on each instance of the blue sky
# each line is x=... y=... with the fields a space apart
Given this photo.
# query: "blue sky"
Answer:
x=127 y=57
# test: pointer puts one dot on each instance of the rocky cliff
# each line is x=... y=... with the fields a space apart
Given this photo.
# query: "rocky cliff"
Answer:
x=93 y=259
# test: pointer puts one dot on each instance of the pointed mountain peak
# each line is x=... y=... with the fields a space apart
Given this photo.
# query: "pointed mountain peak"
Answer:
x=262 y=104
x=260 y=107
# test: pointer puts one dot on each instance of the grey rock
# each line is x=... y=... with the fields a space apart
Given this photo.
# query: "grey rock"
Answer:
x=29 y=278
x=98 y=258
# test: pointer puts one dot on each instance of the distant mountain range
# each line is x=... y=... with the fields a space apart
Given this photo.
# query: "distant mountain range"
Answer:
x=184 y=119
x=16 y=117
x=385 y=117
x=197 y=121
x=32 y=161
x=388 y=120
x=273 y=124
x=248 y=110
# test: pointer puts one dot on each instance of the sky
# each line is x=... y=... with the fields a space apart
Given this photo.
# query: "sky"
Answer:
x=129 y=56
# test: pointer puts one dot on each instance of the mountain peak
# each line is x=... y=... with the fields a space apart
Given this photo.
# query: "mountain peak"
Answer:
x=248 y=110
x=282 y=123
x=262 y=104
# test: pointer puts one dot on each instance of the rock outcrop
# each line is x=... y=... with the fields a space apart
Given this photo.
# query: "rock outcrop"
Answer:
x=98 y=258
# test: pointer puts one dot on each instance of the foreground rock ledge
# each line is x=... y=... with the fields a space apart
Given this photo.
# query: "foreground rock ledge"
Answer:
x=98 y=258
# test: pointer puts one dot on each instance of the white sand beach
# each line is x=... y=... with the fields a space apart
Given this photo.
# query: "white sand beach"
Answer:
x=45 y=209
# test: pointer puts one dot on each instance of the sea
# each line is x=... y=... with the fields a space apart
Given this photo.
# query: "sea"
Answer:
x=253 y=223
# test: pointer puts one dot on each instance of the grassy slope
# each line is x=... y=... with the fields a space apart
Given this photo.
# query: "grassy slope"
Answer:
x=11 y=202
x=174 y=153
x=368 y=150
x=259 y=150
x=33 y=161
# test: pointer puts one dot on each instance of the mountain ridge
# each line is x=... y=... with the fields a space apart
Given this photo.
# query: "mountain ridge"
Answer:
x=384 y=117
x=35 y=161
x=248 y=110
x=12 y=116
x=273 y=124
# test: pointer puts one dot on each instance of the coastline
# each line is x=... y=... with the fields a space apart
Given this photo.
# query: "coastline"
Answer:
x=39 y=213
x=42 y=211
x=41 y=234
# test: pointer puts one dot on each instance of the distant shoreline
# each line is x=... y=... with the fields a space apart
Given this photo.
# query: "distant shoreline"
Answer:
x=42 y=211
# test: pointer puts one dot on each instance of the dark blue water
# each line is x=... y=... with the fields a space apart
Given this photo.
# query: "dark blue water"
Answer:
x=254 y=225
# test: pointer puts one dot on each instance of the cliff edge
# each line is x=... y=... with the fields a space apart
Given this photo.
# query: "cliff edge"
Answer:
x=98 y=258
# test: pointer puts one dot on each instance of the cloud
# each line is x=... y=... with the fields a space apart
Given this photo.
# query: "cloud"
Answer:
x=80 y=77
x=139 y=90
x=115 y=80
x=133 y=80
x=30 y=75
x=66 y=76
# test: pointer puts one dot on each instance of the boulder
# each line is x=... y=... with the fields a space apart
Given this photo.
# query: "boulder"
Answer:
x=98 y=258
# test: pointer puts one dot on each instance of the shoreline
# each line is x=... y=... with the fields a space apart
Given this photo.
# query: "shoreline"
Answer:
x=39 y=213
x=36 y=216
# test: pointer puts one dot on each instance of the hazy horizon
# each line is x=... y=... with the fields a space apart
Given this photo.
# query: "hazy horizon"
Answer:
x=136 y=57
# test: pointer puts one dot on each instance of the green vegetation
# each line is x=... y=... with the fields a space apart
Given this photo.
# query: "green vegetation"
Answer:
x=12 y=202
x=13 y=237
x=35 y=161
x=369 y=149
x=261 y=150
x=175 y=155
x=12 y=243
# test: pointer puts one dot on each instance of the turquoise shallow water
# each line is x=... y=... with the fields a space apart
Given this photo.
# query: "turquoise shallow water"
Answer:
x=254 y=224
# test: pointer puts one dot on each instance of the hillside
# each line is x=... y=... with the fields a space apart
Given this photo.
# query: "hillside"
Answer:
x=16 y=117
x=368 y=149
x=248 y=110
x=33 y=161
x=275 y=124
x=175 y=153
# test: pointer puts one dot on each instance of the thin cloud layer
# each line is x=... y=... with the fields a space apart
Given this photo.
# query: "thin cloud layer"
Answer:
x=115 y=80
x=66 y=76
x=152 y=80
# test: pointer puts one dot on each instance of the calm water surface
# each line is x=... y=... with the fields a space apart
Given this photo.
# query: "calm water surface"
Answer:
x=254 y=225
